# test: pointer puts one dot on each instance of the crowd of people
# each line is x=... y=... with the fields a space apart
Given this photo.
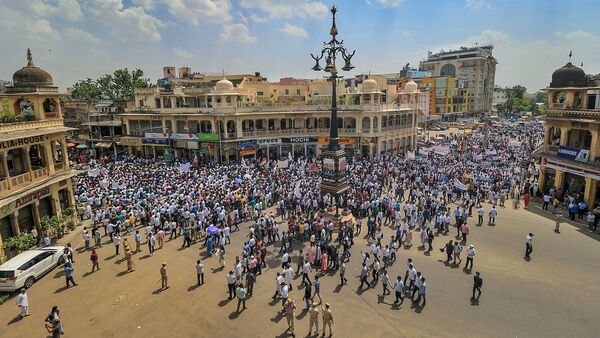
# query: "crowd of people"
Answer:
x=417 y=198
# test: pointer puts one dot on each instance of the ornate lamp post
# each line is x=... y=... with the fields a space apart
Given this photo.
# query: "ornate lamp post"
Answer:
x=334 y=180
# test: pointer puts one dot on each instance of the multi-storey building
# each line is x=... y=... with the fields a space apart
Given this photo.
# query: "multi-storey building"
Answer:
x=475 y=65
x=499 y=98
x=35 y=177
x=187 y=78
x=448 y=96
x=228 y=122
x=571 y=150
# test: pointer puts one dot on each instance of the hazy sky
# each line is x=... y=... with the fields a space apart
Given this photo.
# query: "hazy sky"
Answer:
x=75 y=39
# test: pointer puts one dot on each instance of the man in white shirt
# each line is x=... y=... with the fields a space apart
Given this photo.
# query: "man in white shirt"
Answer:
x=200 y=271
x=493 y=212
x=23 y=303
x=480 y=213
x=528 y=245
x=399 y=287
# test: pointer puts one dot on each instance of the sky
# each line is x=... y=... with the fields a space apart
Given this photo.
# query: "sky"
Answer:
x=77 y=39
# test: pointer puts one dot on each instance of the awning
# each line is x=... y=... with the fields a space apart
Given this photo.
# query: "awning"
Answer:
x=82 y=146
x=103 y=144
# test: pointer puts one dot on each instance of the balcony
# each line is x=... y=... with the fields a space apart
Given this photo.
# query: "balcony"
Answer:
x=19 y=126
x=4 y=184
x=20 y=179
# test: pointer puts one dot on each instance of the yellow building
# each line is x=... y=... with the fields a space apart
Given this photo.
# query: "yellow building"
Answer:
x=35 y=177
x=228 y=122
x=448 y=98
x=571 y=150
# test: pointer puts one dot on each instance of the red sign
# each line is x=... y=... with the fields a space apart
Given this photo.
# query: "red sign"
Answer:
x=32 y=197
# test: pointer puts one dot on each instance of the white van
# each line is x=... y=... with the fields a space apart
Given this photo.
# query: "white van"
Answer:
x=27 y=267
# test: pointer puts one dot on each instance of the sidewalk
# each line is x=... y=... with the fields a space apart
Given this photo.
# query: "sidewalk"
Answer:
x=535 y=206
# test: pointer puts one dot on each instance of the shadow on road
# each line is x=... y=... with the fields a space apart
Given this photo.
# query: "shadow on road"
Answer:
x=193 y=287
x=15 y=320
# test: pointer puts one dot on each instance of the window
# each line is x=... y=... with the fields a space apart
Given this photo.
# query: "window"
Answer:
x=287 y=92
x=260 y=93
x=298 y=92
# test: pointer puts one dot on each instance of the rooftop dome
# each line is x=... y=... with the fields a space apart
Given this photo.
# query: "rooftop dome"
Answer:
x=411 y=87
x=31 y=76
x=224 y=85
x=369 y=85
x=569 y=76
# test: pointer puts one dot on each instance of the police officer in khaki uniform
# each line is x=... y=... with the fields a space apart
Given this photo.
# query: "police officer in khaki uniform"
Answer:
x=314 y=319
x=288 y=309
x=163 y=276
x=327 y=319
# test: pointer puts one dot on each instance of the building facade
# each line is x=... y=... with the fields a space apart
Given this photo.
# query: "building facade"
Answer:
x=571 y=151
x=275 y=120
x=475 y=65
x=35 y=177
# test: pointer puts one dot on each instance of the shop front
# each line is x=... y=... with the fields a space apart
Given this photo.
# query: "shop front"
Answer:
x=299 y=146
x=247 y=149
x=269 y=148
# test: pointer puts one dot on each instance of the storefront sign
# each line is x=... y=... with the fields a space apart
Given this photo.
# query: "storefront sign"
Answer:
x=248 y=151
x=174 y=136
x=130 y=141
x=207 y=137
x=158 y=143
x=593 y=174
x=246 y=144
x=572 y=153
x=306 y=139
x=32 y=197
x=343 y=140
x=22 y=142
x=192 y=145
x=267 y=141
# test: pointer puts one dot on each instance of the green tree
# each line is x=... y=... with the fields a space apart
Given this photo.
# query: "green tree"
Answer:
x=119 y=86
x=87 y=90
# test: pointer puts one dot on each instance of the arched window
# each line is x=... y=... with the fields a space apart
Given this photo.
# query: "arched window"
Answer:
x=579 y=138
x=448 y=70
x=366 y=124
x=384 y=122
x=231 y=127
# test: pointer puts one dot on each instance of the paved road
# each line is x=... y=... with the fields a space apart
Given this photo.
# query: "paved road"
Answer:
x=553 y=295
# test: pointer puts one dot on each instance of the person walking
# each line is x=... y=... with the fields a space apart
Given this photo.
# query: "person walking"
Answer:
x=289 y=312
x=306 y=269
x=307 y=294
x=364 y=274
x=557 y=220
x=241 y=296
x=492 y=215
x=164 y=277
x=327 y=319
x=200 y=272
x=399 y=287
x=457 y=250
x=23 y=303
x=138 y=241
x=69 y=274
x=470 y=256
x=313 y=317
x=94 y=259
x=422 y=292
x=477 y=284
x=317 y=293
x=385 y=282
x=528 y=245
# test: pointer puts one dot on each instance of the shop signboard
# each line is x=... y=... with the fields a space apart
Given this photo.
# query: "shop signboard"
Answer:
x=300 y=139
x=207 y=137
x=246 y=144
x=156 y=143
x=268 y=141
x=572 y=153
x=343 y=140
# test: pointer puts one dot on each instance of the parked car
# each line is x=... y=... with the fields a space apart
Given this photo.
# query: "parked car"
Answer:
x=461 y=126
x=27 y=267
x=434 y=128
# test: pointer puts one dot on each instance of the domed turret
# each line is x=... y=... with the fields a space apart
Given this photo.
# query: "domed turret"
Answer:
x=569 y=75
x=31 y=76
x=224 y=85
x=411 y=87
x=369 y=85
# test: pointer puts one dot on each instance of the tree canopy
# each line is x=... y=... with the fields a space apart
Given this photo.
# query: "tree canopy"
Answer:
x=118 y=86
x=517 y=100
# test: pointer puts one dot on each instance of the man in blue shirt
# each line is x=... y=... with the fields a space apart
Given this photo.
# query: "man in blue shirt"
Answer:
x=69 y=274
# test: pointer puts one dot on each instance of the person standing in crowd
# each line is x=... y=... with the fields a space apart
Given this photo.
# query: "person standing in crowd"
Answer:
x=250 y=280
x=164 y=277
x=477 y=284
x=528 y=245
x=138 y=241
x=94 y=259
x=313 y=317
x=422 y=292
x=557 y=220
x=289 y=312
x=200 y=272
x=327 y=319
x=117 y=241
x=492 y=215
x=231 y=284
x=23 y=303
x=241 y=296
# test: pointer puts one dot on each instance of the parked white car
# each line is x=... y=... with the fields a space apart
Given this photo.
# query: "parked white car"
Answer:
x=27 y=267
